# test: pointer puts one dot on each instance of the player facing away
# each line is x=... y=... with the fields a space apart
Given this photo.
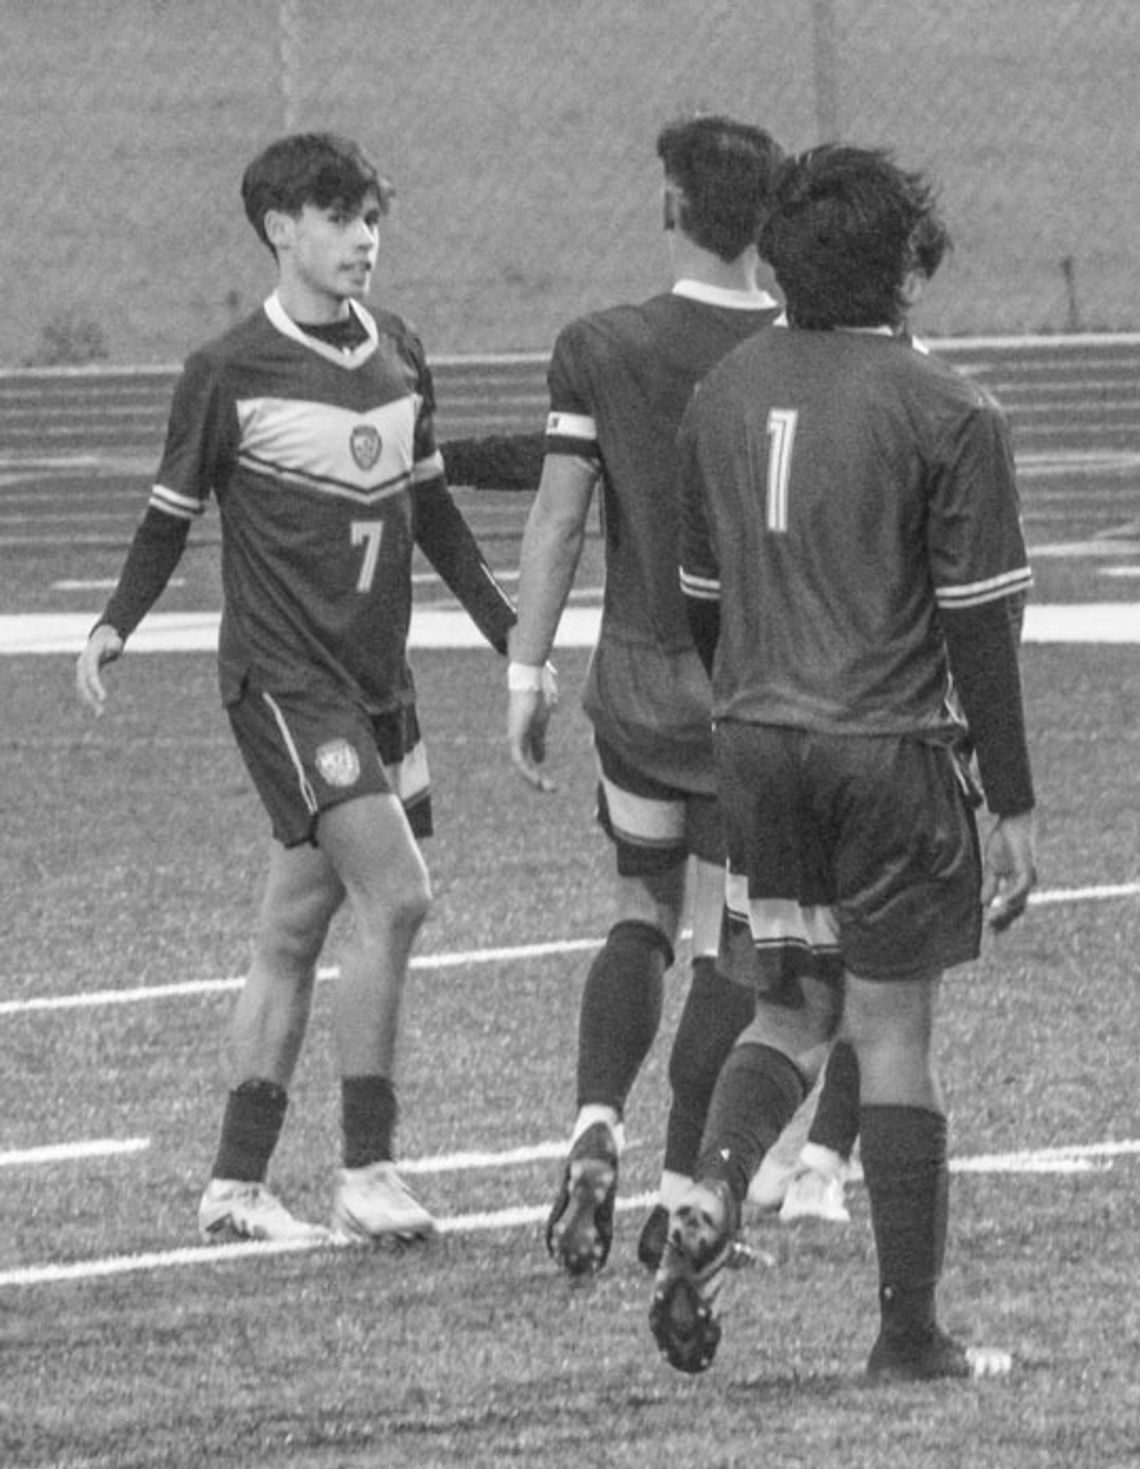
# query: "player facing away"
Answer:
x=803 y=1174
x=852 y=557
x=311 y=424
x=619 y=380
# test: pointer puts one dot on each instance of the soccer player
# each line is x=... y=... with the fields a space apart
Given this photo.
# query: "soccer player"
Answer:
x=619 y=380
x=803 y=1174
x=311 y=423
x=852 y=557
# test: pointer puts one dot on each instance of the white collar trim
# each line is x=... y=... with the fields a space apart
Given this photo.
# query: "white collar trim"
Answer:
x=712 y=295
x=289 y=328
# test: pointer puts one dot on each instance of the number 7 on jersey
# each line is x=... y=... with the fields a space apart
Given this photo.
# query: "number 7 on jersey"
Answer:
x=781 y=437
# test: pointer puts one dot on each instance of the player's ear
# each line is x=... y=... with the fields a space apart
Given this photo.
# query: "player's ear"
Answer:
x=278 y=228
x=913 y=288
x=671 y=206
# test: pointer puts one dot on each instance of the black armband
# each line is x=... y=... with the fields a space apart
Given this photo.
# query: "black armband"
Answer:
x=704 y=624
x=982 y=643
x=497 y=462
x=155 y=551
x=446 y=540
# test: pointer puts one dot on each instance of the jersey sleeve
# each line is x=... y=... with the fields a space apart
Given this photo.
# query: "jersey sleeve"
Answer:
x=427 y=461
x=974 y=538
x=571 y=425
x=200 y=425
x=699 y=568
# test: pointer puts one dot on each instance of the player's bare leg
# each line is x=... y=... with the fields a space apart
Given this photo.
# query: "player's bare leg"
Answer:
x=903 y=1132
x=301 y=895
x=388 y=892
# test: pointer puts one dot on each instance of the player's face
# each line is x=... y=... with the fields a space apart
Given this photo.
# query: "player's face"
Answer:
x=328 y=255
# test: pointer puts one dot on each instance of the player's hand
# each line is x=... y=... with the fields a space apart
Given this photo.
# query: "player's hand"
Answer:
x=103 y=646
x=1011 y=870
x=528 y=716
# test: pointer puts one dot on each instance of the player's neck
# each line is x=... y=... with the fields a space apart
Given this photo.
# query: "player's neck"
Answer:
x=308 y=307
x=691 y=263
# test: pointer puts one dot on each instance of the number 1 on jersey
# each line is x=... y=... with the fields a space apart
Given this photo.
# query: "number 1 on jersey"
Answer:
x=781 y=435
x=367 y=533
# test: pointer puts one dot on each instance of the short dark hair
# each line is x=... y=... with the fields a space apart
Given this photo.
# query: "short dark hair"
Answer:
x=842 y=234
x=724 y=170
x=930 y=244
x=321 y=169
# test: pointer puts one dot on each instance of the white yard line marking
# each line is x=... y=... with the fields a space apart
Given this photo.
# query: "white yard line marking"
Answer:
x=517 y=953
x=107 y=1147
x=1067 y=1159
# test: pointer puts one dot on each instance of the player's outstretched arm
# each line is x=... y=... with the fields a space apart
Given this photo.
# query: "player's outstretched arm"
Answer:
x=103 y=646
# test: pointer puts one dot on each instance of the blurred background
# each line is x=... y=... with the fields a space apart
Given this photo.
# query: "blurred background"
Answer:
x=520 y=136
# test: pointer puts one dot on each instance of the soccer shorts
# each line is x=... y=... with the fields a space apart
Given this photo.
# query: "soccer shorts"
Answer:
x=307 y=752
x=846 y=853
x=653 y=826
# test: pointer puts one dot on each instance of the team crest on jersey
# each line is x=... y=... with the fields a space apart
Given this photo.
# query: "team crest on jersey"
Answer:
x=365 y=444
x=338 y=763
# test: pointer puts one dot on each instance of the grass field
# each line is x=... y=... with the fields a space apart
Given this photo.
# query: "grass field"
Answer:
x=129 y=868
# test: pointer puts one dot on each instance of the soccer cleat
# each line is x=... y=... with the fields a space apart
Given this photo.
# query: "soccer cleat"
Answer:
x=770 y=1183
x=700 y=1246
x=653 y=1238
x=935 y=1355
x=375 y=1206
x=814 y=1195
x=231 y=1209
x=580 y=1227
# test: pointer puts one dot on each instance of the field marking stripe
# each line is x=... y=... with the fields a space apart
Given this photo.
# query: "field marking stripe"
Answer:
x=107 y=1147
x=1015 y=1164
x=516 y=953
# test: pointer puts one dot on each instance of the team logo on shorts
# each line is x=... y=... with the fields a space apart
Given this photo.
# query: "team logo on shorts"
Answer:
x=338 y=763
x=365 y=444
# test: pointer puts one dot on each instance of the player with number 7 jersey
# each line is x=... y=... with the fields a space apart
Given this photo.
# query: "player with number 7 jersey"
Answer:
x=311 y=425
x=316 y=455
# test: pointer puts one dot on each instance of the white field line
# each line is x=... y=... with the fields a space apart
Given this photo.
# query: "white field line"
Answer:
x=518 y=953
x=107 y=1147
x=37 y=633
x=1079 y=1157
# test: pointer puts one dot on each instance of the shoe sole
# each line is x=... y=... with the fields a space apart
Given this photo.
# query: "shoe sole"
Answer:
x=684 y=1328
x=226 y=1232
x=579 y=1237
x=974 y=1363
x=349 y=1230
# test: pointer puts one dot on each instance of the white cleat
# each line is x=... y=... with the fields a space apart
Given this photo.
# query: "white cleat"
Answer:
x=813 y=1195
x=231 y=1209
x=375 y=1206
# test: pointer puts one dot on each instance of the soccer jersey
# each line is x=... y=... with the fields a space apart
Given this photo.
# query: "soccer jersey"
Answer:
x=619 y=381
x=838 y=489
x=313 y=453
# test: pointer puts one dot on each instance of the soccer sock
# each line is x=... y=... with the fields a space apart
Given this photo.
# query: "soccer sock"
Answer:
x=755 y=1098
x=621 y=1011
x=907 y=1176
x=251 y=1126
x=368 y=1118
x=835 y=1125
x=715 y=1012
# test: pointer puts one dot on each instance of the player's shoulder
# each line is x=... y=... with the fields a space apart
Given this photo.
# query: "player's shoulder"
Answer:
x=616 y=325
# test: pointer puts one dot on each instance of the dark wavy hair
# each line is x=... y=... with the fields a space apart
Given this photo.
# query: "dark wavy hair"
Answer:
x=842 y=234
x=321 y=169
x=724 y=171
